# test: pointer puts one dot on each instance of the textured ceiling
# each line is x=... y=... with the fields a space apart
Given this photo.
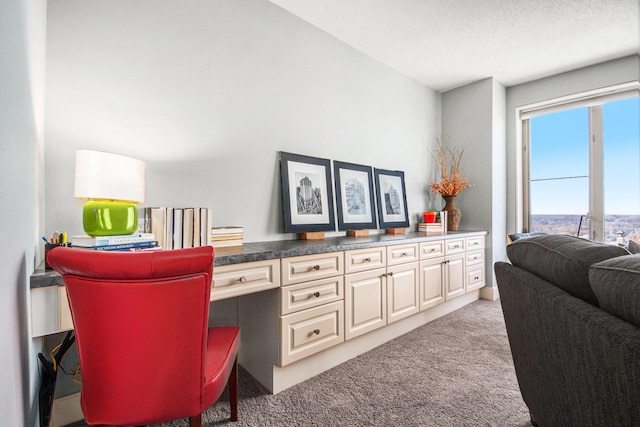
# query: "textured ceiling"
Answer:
x=445 y=44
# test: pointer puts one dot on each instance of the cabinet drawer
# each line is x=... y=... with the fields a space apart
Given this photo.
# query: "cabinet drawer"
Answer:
x=310 y=331
x=365 y=259
x=311 y=267
x=475 y=277
x=453 y=246
x=400 y=254
x=430 y=250
x=475 y=242
x=475 y=257
x=245 y=278
x=311 y=294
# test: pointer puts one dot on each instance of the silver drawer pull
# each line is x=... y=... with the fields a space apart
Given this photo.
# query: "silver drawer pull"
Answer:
x=387 y=274
x=316 y=267
x=316 y=294
x=316 y=331
x=367 y=259
x=476 y=278
x=432 y=250
x=475 y=257
x=243 y=279
x=403 y=254
x=456 y=246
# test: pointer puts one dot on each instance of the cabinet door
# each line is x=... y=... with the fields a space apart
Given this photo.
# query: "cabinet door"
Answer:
x=455 y=276
x=365 y=302
x=402 y=291
x=432 y=276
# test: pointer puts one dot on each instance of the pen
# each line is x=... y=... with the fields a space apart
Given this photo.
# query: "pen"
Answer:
x=45 y=239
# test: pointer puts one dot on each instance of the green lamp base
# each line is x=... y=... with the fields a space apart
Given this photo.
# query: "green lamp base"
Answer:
x=109 y=218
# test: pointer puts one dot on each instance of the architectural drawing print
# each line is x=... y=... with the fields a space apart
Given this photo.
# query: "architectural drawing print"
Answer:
x=355 y=197
x=309 y=199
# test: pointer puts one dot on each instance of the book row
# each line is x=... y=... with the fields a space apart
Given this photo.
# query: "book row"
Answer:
x=176 y=228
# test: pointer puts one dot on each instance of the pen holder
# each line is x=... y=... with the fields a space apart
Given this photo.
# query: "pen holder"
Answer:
x=47 y=248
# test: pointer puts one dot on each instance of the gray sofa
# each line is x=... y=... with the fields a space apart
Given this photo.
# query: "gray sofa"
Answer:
x=572 y=312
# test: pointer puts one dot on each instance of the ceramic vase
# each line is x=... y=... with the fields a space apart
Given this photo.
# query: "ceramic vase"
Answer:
x=453 y=213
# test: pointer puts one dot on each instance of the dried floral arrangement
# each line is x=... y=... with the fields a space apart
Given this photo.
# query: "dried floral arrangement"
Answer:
x=451 y=183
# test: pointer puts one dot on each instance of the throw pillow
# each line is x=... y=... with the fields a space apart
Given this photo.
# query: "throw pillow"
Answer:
x=633 y=247
x=562 y=260
x=616 y=284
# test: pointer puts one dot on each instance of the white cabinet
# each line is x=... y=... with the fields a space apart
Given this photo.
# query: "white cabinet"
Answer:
x=474 y=263
x=375 y=297
x=365 y=302
x=311 y=311
x=454 y=276
x=403 y=290
x=432 y=280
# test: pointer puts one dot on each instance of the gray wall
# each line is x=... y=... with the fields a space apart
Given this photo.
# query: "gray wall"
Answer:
x=22 y=55
x=473 y=120
x=208 y=92
x=582 y=80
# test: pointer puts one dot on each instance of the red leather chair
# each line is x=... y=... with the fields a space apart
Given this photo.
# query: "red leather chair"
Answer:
x=145 y=349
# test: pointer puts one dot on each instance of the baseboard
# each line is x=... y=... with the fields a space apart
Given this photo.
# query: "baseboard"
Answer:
x=66 y=410
x=489 y=293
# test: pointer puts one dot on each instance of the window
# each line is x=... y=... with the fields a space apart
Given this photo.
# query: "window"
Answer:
x=581 y=166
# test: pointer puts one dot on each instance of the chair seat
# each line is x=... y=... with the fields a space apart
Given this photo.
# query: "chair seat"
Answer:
x=223 y=343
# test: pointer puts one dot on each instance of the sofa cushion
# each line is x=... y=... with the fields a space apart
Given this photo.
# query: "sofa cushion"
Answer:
x=616 y=284
x=562 y=260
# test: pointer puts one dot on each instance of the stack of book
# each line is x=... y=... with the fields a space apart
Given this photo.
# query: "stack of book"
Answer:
x=222 y=237
x=439 y=226
x=124 y=243
x=176 y=228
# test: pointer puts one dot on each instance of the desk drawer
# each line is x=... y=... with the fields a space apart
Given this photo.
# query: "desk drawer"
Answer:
x=400 y=254
x=245 y=278
x=311 y=294
x=365 y=259
x=475 y=257
x=433 y=249
x=307 y=332
x=475 y=277
x=475 y=242
x=454 y=246
x=311 y=267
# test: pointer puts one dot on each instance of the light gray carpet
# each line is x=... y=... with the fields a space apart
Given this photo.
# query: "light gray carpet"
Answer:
x=454 y=371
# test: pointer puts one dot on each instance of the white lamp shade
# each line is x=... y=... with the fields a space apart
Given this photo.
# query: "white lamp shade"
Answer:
x=100 y=175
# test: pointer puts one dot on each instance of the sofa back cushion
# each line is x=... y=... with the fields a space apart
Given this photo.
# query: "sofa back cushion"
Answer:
x=562 y=260
x=616 y=284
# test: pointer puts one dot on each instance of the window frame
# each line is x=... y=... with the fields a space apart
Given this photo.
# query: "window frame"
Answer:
x=593 y=100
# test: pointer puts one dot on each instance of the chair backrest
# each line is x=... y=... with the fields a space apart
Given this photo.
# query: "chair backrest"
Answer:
x=140 y=321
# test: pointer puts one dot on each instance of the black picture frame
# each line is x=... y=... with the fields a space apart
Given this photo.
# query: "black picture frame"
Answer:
x=307 y=193
x=392 y=198
x=354 y=196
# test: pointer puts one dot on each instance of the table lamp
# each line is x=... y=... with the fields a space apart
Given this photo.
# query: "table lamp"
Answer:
x=112 y=184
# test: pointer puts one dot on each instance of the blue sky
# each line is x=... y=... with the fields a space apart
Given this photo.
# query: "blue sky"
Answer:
x=560 y=149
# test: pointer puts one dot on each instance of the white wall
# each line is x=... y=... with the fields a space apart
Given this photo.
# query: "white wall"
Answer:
x=22 y=55
x=573 y=82
x=473 y=120
x=207 y=92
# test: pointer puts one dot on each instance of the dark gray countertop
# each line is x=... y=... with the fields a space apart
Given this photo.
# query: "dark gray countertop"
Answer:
x=260 y=251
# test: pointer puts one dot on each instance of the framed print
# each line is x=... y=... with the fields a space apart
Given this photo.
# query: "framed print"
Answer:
x=392 y=200
x=354 y=196
x=307 y=195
